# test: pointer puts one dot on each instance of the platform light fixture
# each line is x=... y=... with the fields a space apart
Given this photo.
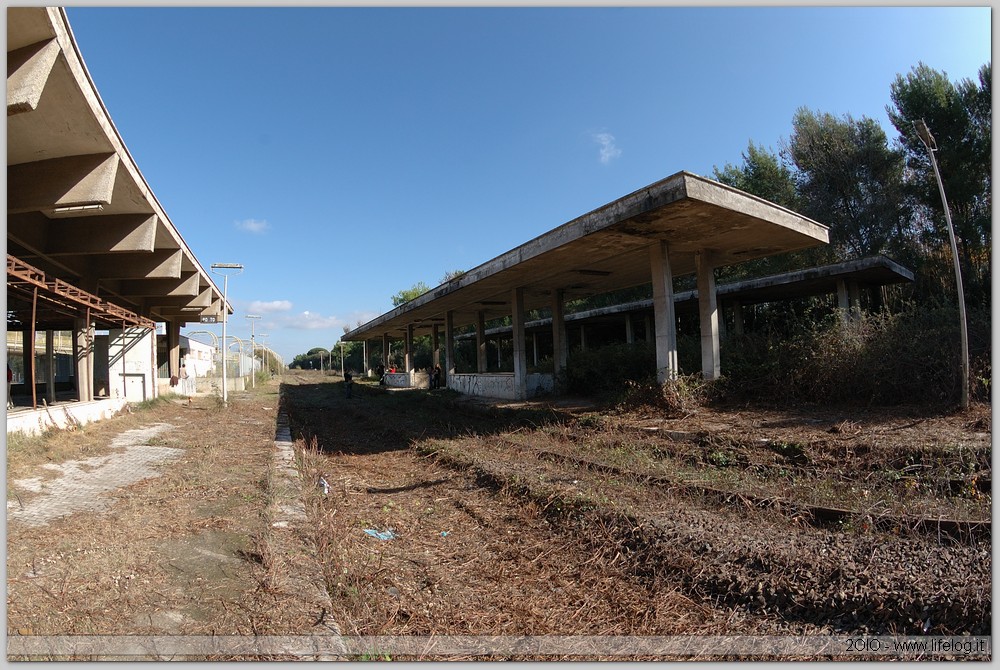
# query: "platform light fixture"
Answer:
x=95 y=207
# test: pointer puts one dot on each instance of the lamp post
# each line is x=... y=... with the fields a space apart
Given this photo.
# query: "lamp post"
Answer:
x=252 y=359
x=222 y=268
x=928 y=140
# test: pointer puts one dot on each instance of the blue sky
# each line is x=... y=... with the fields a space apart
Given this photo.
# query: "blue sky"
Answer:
x=344 y=154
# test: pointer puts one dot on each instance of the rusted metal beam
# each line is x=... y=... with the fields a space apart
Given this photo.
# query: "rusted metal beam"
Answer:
x=56 y=288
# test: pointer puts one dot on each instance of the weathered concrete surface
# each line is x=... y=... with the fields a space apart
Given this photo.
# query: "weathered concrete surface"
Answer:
x=62 y=415
x=484 y=385
x=75 y=194
x=607 y=249
x=404 y=380
x=79 y=485
x=876 y=271
x=501 y=385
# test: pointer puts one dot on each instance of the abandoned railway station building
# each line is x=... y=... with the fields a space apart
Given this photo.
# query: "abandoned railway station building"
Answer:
x=682 y=225
x=100 y=280
x=94 y=265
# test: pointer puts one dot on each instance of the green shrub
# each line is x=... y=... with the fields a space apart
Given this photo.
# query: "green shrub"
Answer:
x=880 y=359
x=909 y=356
x=602 y=372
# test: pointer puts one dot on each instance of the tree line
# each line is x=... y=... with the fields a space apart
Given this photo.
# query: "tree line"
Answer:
x=880 y=196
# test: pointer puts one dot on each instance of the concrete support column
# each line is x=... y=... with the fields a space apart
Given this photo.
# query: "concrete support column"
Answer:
x=435 y=346
x=481 y=365
x=83 y=358
x=174 y=347
x=737 y=318
x=449 y=345
x=559 y=348
x=842 y=302
x=50 y=366
x=629 y=332
x=366 y=366
x=663 y=312
x=848 y=301
x=709 y=315
x=583 y=337
x=154 y=387
x=534 y=349
x=854 y=298
x=408 y=349
x=520 y=352
x=385 y=350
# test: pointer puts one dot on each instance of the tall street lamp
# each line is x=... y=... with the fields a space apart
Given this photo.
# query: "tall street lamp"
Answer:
x=225 y=269
x=925 y=136
x=252 y=375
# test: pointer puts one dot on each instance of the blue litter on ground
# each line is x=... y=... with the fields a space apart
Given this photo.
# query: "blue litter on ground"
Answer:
x=381 y=535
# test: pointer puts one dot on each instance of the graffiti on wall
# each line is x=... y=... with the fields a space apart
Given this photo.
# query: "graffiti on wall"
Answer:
x=483 y=385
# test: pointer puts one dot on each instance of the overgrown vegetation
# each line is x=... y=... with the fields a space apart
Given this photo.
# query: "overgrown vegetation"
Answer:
x=881 y=359
x=604 y=372
x=884 y=358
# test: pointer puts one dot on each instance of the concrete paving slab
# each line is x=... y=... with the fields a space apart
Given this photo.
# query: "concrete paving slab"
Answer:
x=79 y=485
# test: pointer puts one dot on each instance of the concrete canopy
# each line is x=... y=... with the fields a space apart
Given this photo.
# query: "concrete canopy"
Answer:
x=608 y=249
x=78 y=209
x=875 y=271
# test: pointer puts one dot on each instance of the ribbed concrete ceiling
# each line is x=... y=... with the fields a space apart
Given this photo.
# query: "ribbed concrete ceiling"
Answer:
x=77 y=206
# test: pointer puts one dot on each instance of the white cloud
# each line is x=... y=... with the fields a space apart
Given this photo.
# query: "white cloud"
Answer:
x=255 y=226
x=258 y=306
x=310 y=321
x=609 y=150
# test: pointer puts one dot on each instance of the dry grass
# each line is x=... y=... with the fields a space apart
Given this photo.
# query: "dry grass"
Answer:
x=187 y=552
x=531 y=523
x=513 y=522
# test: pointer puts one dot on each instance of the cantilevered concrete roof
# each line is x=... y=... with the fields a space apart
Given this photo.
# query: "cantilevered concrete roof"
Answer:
x=871 y=271
x=608 y=249
x=78 y=209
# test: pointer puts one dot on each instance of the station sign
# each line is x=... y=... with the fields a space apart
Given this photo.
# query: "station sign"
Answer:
x=209 y=319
